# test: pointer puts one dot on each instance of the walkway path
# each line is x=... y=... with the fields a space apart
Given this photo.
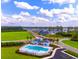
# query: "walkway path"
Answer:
x=67 y=46
x=60 y=43
x=24 y=41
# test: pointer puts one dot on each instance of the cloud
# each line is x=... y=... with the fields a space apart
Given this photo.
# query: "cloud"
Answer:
x=61 y=15
x=25 y=5
x=56 y=16
x=20 y=20
x=25 y=13
x=65 y=17
x=69 y=10
x=21 y=15
x=46 y=12
x=53 y=16
x=24 y=20
x=70 y=23
x=7 y=20
x=5 y=1
x=3 y=19
x=59 y=1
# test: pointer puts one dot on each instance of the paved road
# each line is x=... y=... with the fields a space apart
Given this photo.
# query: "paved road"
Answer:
x=67 y=46
x=58 y=54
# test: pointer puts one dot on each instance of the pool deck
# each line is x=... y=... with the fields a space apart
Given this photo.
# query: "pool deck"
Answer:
x=37 y=52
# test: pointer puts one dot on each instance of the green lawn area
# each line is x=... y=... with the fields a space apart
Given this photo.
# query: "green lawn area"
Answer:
x=71 y=53
x=5 y=36
x=10 y=53
x=71 y=43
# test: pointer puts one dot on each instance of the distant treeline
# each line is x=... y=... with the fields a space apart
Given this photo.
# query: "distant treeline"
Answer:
x=8 y=28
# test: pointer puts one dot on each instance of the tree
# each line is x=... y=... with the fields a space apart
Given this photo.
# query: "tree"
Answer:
x=74 y=36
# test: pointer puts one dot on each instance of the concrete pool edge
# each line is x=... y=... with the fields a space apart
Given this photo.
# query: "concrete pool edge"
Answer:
x=36 y=53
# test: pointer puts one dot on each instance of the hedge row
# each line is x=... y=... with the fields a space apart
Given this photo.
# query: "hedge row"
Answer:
x=11 y=44
x=64 y=34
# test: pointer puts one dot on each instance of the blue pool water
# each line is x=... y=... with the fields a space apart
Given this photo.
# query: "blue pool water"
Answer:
x=37 y=48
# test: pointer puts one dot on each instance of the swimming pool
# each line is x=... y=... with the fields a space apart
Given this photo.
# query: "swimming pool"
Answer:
x=36 y=50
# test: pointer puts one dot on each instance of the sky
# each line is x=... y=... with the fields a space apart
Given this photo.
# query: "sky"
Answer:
x=39 y=13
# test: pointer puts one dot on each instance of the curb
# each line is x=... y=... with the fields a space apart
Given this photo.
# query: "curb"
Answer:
x=69 y=54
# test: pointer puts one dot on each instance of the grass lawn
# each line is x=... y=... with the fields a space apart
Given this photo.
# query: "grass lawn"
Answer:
x=10 y=53
x=71 y=53
x=71 y=43
x=15 y=35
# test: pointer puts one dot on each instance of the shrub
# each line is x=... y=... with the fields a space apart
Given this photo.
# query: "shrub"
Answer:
x=74 y=36
x=65 y=34
x=54 y=46
x=53 y=36
x=11 y=43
